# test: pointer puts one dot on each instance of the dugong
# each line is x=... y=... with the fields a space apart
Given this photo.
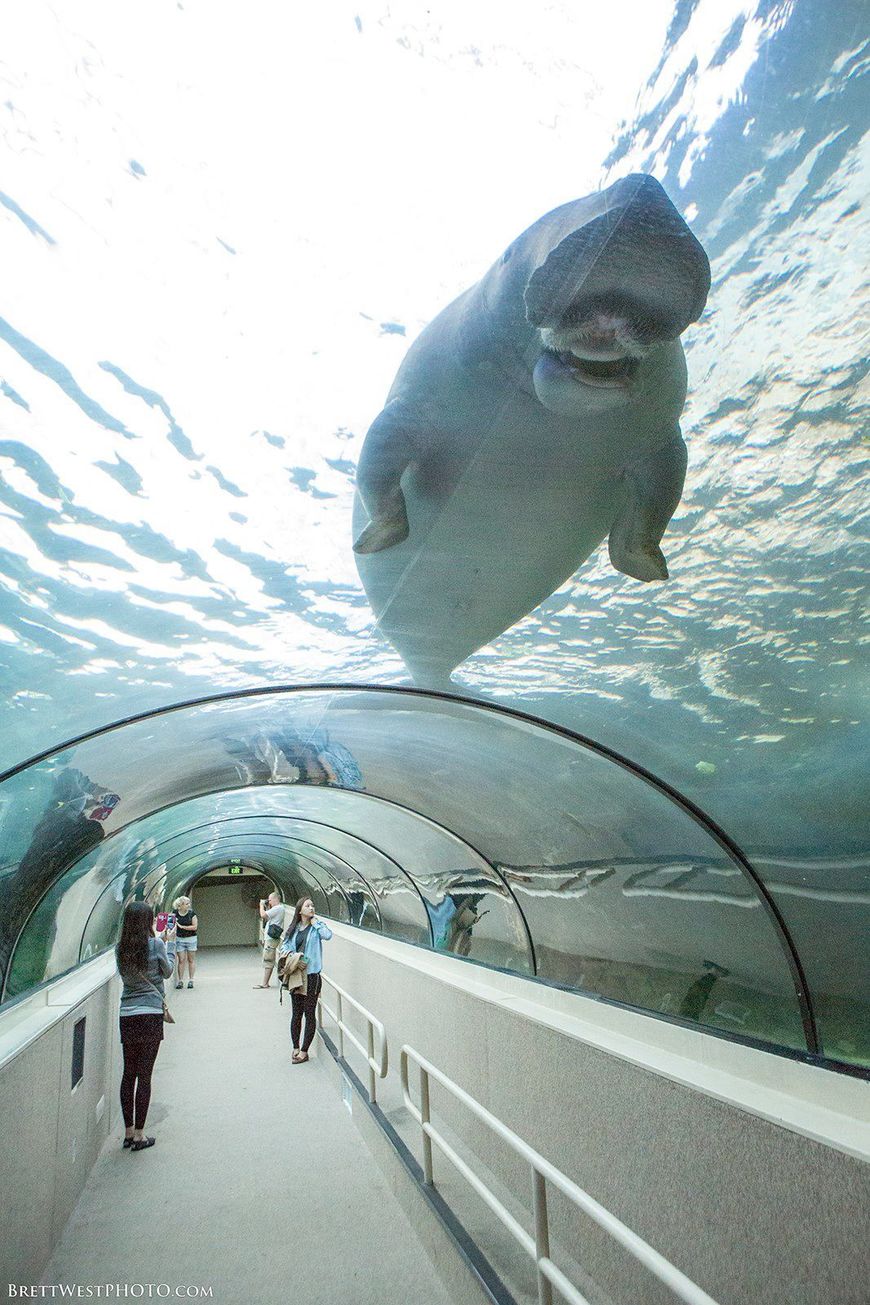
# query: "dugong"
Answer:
x=533 y=417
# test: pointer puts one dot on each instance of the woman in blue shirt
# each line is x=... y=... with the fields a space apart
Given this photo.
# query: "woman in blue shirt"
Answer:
x=305 y=934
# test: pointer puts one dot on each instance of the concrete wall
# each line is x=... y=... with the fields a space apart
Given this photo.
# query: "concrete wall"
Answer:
x=224 y=916
x=748 y=1210
x=53 y=1134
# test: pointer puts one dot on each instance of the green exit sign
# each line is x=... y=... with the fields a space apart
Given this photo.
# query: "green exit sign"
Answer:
x=235 y=870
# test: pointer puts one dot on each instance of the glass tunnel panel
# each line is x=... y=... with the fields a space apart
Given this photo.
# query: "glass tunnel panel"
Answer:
x=292 y=875
x=567 y=864
x=384 y=889
x=397 y=902
x=77 y=918
x=103 y=925
x=361 y=908
x=393 y=896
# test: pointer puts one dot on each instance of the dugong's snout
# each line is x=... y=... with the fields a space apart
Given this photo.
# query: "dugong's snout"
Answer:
x=601 y=349
x=628 y=278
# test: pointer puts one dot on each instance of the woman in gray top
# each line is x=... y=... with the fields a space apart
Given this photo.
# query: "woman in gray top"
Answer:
x=144 y=961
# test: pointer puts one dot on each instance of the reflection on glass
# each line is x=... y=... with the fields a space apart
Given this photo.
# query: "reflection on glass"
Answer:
x=459 y=903
x=362 y=908
x=78 y=917
x=684 y=936
x=102 y=925
x=287 y=757
x=70 y=823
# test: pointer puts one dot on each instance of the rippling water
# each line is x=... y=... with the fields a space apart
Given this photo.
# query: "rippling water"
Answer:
x=217 y=253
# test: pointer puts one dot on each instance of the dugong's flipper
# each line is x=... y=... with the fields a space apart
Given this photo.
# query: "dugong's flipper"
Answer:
x=653 y=487
x=387 y=451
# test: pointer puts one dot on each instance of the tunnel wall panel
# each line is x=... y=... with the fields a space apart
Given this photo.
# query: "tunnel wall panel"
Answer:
x=53 y=1133
x=692 y=1175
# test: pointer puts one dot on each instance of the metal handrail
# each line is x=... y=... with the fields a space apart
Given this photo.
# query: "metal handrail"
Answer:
x=377 y=1066
x=543 y=1172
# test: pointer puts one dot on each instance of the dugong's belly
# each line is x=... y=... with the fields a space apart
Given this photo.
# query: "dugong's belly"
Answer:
x=490 y=536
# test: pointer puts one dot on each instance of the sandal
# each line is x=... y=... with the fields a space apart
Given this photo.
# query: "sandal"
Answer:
x=127 y=1143
x=179 y=985
x=302 y=1057
x=190 y=985
x=143 y=1143
x=295 y=1056
x=262 y=985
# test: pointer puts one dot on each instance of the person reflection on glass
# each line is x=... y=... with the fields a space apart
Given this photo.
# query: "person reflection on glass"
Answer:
x=698 y=994
x=453 y=921
x=462 y=923
x=305 y=934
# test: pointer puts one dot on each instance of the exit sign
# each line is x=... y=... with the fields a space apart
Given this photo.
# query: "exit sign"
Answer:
x=235 y=870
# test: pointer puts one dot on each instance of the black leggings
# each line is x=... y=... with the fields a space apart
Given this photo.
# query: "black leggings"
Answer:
x=306 y=1006
x=139 y=1058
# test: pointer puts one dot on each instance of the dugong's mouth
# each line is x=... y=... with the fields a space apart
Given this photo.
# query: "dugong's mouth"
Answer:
x=605 y=373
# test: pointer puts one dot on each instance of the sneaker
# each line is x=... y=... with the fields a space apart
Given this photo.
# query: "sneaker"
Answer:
x=179 y=985
x=190 y=985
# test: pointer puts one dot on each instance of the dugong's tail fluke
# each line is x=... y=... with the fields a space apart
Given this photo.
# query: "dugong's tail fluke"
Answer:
x=426 y=674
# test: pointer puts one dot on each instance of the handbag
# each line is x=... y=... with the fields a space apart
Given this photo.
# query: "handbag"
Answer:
x=274 y=931
x=168 y=1017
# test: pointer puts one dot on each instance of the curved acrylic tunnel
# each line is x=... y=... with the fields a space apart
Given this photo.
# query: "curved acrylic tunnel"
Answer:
x=443 y=823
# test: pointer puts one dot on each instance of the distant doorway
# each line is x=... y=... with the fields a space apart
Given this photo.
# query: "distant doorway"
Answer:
x=226 y=908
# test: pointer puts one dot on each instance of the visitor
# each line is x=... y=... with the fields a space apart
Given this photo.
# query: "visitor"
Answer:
x=272 y=915
x=305 y=934
x=144 y=961
x=185 y=944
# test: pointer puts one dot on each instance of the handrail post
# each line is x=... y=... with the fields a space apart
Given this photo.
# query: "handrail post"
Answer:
x=371 y=1053
x=340 y=1025
x=424 y=1120
x=542 y=1236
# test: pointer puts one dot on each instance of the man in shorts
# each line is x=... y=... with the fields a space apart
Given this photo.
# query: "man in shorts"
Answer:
x=272 y=915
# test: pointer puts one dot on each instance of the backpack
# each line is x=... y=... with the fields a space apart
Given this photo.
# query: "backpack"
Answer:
x=274 y=931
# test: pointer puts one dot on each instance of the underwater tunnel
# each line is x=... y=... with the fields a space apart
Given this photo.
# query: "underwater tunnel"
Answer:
x=433 y=463
x=454 y=825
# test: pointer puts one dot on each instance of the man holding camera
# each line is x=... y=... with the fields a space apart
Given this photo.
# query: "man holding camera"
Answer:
x=272 y=915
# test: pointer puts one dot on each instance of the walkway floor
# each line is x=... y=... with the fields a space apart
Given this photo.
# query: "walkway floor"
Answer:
x=259 y=1187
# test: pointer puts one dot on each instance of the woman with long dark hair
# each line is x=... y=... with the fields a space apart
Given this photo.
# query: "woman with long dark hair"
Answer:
x=305 y=934
x=144 y=961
